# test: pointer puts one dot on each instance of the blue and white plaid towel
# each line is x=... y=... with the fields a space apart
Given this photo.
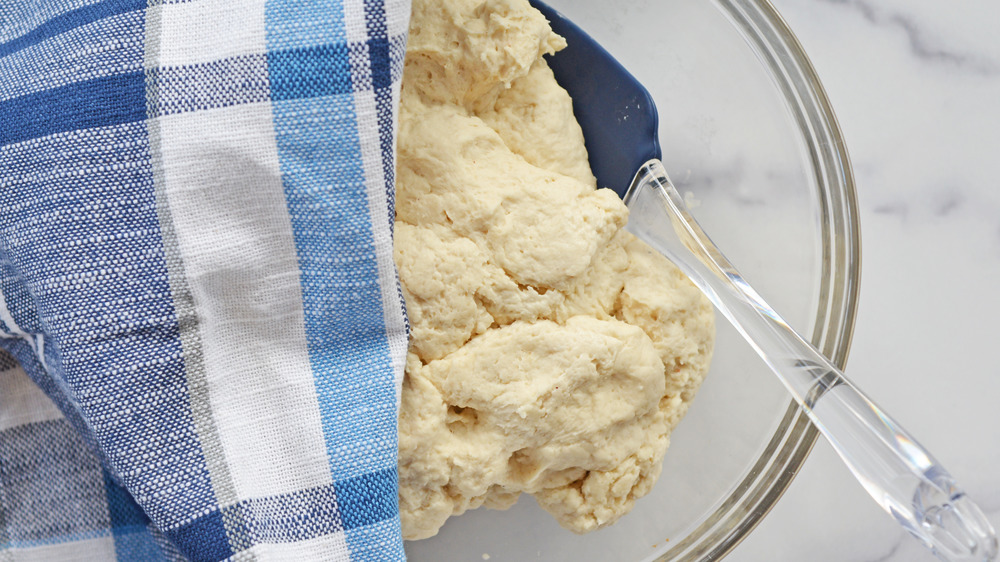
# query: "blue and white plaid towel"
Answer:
x=202 y=324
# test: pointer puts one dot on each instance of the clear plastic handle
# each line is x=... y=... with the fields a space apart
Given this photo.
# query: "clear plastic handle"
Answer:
x=898 y=473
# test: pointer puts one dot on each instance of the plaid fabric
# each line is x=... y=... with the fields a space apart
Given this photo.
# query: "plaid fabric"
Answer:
x=203 y=327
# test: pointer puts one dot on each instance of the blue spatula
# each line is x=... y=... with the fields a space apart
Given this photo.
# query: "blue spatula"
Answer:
x=619 y=125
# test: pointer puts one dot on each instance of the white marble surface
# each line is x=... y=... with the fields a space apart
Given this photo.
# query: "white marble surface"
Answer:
x=916 y=87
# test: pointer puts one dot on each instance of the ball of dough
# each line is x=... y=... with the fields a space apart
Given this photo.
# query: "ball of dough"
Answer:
x=551 y=352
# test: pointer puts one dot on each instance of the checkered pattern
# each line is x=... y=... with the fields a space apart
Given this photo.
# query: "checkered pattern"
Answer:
x=201 y=325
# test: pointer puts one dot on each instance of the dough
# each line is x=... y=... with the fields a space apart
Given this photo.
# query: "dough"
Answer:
x=551 y=353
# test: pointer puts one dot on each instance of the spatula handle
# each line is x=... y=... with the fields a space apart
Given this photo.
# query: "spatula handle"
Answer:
x=899 y=474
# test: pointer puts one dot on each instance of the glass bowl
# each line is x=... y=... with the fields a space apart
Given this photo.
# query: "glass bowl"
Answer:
x=749 y=137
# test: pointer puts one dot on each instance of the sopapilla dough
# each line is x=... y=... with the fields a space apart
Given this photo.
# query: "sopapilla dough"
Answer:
x=552 y=353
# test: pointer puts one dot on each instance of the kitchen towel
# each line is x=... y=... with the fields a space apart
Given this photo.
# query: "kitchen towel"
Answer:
x=202 y=329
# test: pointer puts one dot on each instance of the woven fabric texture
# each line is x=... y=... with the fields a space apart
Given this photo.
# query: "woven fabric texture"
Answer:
x=201 y=326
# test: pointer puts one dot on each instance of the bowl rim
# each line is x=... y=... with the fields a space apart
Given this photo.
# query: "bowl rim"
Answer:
x=791 y=71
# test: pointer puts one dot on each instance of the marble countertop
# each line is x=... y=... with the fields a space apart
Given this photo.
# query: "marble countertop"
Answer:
x=916 y=87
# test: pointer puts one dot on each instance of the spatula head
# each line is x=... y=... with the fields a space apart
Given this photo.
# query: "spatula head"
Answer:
x=616 y=113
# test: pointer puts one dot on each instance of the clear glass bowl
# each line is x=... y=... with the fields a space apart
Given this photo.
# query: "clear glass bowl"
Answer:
x=747 y=130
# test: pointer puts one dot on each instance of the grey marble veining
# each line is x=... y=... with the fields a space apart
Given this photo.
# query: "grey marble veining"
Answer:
x=922 y=44
x=916 y=87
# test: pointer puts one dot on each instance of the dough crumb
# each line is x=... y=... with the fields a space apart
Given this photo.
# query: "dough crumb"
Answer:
x=551 y=352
